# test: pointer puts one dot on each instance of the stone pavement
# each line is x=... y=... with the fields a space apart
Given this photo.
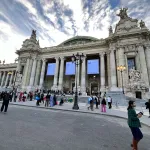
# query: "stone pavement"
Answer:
x=120 y=112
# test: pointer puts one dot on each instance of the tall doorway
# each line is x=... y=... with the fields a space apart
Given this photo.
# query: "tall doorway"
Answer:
x=94 y=88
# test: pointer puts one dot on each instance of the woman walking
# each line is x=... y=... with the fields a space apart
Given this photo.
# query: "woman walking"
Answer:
x=103 y=105
x=134 y=124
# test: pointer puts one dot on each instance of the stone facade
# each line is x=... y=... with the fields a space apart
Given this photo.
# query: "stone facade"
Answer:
x=130 y=40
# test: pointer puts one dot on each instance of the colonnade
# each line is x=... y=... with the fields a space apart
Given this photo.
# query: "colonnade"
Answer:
x=7 y=78
x=34 y=73
x=35 y=68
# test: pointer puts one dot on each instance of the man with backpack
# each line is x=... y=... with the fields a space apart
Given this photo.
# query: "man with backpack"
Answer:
x=91 y=102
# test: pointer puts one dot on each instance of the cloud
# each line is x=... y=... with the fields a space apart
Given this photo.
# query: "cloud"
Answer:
x=124 y=3
x=58 y=20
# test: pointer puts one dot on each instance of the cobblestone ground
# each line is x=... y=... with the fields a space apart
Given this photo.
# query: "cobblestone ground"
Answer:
x=38 y=129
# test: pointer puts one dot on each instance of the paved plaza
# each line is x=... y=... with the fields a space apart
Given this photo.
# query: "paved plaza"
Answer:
x=120 y=111
x=25 y=128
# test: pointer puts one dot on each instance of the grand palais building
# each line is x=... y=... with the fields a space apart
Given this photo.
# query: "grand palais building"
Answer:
x=118 y=63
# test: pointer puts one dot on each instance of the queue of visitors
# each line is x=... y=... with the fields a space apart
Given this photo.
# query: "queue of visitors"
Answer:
x=99 y=101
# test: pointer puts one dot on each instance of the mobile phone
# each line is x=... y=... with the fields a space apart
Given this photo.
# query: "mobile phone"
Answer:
x=141 y=113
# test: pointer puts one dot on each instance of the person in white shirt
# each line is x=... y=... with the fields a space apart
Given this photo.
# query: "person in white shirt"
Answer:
x=109 y=100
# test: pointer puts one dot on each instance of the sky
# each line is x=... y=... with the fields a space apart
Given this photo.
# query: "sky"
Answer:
x=58 y=20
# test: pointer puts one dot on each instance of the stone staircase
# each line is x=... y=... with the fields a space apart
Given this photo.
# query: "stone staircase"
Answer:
x=118 y=98
x=81 y=99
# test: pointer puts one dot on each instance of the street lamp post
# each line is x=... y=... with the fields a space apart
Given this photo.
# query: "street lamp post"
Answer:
x=77 y=59
x=121 y=69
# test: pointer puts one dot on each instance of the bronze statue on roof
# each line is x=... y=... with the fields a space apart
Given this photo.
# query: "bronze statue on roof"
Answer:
x=123 y=13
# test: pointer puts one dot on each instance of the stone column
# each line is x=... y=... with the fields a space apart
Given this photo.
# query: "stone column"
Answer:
x=102 y=72
x=3 y=78
x=24 y=80
x=78 y=74
x=11 y=78
x=0 y=77
x=113 y=71
x=42 y=73
x=18 y=65
x=147 y=54
x=108 y=69
x=32 y=78
x=6 y=79
x=29 y=71
x=61 y=74
x=38 y=70
x=56 y=75
x=143 y=65
x=83 y=77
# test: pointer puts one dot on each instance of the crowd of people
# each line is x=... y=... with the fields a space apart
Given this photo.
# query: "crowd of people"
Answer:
x=99 y=101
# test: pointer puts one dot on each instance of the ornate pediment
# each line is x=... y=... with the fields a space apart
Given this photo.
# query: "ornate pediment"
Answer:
x=78 y=40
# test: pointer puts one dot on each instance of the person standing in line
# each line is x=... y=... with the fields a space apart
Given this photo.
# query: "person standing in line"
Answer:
x=148 y=106
x=6 y=99
x=38 y=99
x=55 y=100
x=103 y=105
x=47 y=100
x=109 y=100
x=96 y=101
x=91 y=102
x=42 y=97
x=30 y=96
x=134 y=124
x=51 y=101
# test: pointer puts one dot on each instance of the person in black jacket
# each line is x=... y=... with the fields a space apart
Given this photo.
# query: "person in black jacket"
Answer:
x=6 y=99
x=148 y=106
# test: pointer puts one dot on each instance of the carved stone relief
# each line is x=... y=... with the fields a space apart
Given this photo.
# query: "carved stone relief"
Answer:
x=23 y=60
x=136 y=83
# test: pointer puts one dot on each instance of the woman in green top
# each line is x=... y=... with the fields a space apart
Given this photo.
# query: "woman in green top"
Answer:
x=134 y=124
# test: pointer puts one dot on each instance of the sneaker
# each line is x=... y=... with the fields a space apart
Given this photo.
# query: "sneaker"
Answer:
x=149 y=117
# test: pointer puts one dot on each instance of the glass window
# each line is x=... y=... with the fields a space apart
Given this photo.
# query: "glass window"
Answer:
x=131 y=63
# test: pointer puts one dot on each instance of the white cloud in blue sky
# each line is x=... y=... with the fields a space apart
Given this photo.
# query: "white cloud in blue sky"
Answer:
x=58 y=20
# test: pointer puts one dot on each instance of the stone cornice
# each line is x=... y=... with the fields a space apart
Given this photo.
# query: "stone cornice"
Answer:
x=116 y=36
x=7 y=66
x=73 y=47
x=28 y=51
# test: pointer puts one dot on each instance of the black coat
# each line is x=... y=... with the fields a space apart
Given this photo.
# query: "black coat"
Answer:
x=103 y=101
x=147 y=105
x=6 y=98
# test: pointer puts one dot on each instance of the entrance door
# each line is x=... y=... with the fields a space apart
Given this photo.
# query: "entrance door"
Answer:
x=94 y=88
x=138 y=94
